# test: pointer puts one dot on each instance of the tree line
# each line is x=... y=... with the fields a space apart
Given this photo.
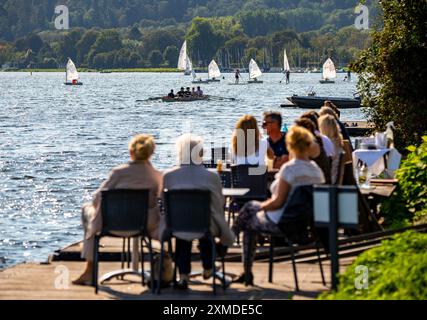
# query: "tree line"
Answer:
x=255 y=30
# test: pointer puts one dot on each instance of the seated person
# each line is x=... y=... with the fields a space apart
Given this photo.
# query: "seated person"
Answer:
x=329 y=127
x=199 y=92
x=187 y=93
x=251 y=152
x=319 y=155
x=193 y=92
x=191 y=174
x=171 y=95
x=181 y=92
x=272 y=123
x=137 y=174
x=256 y=217
x=327 y=143
x=332 y=109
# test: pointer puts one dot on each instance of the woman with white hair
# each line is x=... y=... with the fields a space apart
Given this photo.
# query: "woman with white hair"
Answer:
x=191 y=174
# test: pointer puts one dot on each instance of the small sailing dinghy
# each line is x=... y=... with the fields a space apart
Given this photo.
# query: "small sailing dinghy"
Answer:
x=184 y=62
x=286 y=68
x=71 y=74
x=213 y=72
x=198 y=80
x=329 y=72
x=254 y=72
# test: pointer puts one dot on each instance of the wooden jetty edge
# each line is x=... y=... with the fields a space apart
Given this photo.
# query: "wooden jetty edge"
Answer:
x=357 y=128
x=52 y=280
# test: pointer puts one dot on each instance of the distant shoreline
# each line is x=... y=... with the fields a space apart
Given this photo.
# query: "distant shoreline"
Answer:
x=99 y=71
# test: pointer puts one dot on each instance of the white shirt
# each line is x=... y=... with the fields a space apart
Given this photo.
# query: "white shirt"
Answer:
x=255 y=159
x=328 y=146
x=297 y=173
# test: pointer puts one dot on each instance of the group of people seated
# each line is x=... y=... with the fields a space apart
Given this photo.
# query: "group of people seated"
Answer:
x=186 y=93
x=305 y=155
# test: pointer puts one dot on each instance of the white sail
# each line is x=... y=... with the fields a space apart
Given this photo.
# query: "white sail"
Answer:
x=188 y=64
x=193 y=73
x=329 y=71
x=72 y=73
x=183 y=57
x=213 y=70
x=286 y=66
x=254 y=70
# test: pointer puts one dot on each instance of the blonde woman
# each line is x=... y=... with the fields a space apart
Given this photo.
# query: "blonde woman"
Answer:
x=329 y=127
x=247 y=145
x=264 y=216
x=137 y=174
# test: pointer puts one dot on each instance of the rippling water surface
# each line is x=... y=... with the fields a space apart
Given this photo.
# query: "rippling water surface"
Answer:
x=58 y=143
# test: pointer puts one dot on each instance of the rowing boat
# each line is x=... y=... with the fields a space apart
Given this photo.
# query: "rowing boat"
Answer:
x=189 y=99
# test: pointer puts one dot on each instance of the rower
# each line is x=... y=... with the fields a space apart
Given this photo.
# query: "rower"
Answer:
x=187 y=93
x=171 y=95
x=181 y=93
x=193 y=91
x=199 y=92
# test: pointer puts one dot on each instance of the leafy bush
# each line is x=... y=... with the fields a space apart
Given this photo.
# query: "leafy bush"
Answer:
x=409 y=202
x=390 y=90
x=397 y=271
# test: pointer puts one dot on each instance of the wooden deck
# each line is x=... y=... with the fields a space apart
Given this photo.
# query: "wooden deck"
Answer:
x=52 y=280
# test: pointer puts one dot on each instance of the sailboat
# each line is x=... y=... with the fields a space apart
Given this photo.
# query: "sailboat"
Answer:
x=184 y=62
x=197 y=80
x=329 y=72
x=286 y=67
x=213 y=72
x=254 y=72
x=71 y=74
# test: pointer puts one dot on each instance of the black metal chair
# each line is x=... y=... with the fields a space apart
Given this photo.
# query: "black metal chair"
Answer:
x=188 y=211
x=251 y=177
x=219 y=154
x=124 y=215
x=297 y=228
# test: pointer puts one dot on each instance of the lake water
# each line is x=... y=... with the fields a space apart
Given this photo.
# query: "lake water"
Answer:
x=58 y=142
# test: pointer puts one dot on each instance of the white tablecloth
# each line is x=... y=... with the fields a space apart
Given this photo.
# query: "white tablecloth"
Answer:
x=374 y=159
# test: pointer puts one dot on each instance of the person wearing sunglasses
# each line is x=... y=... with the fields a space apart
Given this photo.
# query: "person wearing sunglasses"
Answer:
x=272 y=124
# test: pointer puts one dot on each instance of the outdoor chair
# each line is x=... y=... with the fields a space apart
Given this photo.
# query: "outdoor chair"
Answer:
x=341 y=168
x=242 y=177
x=219 y=154
x=189 y=211
x=124 y=215
x=297 y=228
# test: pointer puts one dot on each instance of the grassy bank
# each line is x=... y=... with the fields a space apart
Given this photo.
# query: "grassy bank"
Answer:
x=94 y=70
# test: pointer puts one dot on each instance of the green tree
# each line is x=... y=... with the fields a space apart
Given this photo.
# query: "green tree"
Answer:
x=262 y=22
x=393 y=76
x=155 y=58
x=85 y=44
x=170 y=56
x=134 y=33
x=203 y=40
x=104 y=60
x=107 y=41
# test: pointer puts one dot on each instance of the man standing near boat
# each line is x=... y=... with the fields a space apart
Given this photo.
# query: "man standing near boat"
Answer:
x=288 y=75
